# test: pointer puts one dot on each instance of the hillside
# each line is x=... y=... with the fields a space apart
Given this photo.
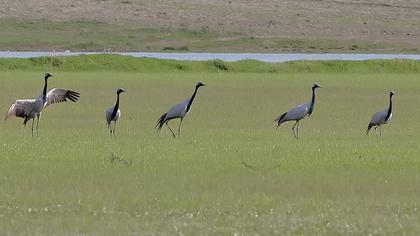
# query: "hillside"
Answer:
x=213 y=26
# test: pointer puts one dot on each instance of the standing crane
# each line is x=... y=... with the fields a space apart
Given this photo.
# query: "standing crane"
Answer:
x=30 y=108
x=382 y=117
x=180 y=110
x=114 y=113
x=299 y=112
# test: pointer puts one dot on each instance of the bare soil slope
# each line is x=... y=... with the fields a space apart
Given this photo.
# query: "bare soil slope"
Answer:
x=383 y=21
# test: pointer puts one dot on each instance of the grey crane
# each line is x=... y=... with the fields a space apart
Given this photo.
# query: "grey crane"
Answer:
x=382 y=117
x=114 y=113
x=30 y=108
x=180 y=110
x=299 y=112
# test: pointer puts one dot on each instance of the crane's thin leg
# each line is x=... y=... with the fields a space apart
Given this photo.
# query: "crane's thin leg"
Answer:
x=380 y=131
x=108 y=125
x=33 y=121
x=170 y=129
x=293 y=129
x=179 y=127
x=376 y=133
x=297 y=130
x=115 y=124
x=37 y=123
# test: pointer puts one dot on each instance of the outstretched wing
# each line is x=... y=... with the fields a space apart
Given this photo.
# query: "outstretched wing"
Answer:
x=61 y=95
x=21 y=108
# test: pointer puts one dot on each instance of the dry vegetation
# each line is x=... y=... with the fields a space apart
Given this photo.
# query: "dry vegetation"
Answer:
x=386 y=21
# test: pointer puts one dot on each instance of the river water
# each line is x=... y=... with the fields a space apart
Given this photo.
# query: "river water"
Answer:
x=267 y=57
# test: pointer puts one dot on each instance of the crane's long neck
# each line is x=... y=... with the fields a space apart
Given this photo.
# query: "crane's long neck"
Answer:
x=117 y=105
x=389 y=108
x=311 y=109
x=192 y=99
x=44 y=92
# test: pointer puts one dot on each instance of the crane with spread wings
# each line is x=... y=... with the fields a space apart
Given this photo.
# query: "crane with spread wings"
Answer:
x=30 y=108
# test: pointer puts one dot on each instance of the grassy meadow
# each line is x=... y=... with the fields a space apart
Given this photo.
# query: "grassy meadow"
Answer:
x=82 y=35
x=230 y=173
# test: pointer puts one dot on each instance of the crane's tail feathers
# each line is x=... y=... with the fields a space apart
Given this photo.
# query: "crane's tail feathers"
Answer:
x=279 y=119
x=369 y=127
x=160 y=122
x=25 y=121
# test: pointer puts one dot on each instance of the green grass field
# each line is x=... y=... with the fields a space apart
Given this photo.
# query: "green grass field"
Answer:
x=231 y=173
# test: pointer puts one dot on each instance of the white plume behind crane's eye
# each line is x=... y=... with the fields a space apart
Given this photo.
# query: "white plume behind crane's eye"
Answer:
x=315 y=85
x=199 y=83
x=47 y=75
